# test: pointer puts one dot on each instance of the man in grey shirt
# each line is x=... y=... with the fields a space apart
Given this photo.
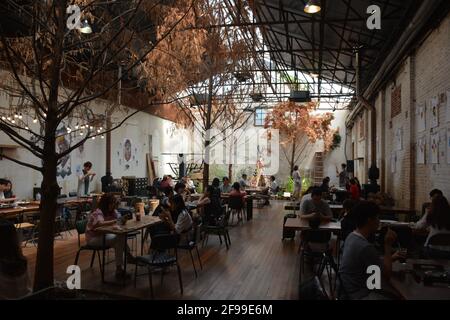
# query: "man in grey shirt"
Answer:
x=359 y=254
x=315 y=207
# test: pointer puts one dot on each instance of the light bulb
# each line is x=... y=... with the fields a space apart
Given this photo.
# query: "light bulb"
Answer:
x=16 y=115
x=3 y=118
x=26 y=128
x=20 y=116
x=76 y=126
x=13 y=121
x=93 y=138
x=98 y=130
x=34 y=120
x=101 y=128
x=102 y=136
x=82 y=127
x=9 y=118
x=81 y=133
x=92 y=128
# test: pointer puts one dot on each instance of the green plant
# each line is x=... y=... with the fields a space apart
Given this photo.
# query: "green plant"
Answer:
x=336 y=141
x=289 y=186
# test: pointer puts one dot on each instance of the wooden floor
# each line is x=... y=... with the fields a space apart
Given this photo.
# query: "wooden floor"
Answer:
x=258 y=265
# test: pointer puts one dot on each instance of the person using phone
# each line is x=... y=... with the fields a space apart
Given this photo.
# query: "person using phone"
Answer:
x=84 y=178
x=360 y=254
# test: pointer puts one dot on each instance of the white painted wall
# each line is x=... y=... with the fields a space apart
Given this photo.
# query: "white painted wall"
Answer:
x=137 y=129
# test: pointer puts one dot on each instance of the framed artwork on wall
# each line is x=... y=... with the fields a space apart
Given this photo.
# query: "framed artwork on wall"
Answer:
x=393 y=162
x=448 y=145
x=421 y=117
x=399 y=139
x=434 y=112
x=448 y=106
x=421 y=145
x=434 y=148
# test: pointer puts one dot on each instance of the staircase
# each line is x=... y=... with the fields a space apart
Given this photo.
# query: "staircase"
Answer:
x=318 y=168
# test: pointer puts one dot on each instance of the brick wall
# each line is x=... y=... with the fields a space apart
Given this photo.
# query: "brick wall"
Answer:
x=421 y=76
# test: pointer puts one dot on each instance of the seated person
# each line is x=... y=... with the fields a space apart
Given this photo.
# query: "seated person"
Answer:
x=8 y=192
x=180 y=188
x=348 y=223
x=354 y=189
x=315 y=208
x=178 y=219
x=306 y=195
x=5 y=191
x=168 y=195
x=426 y=206
x=164 y=183
x=273 y=188
x=14 y=279
x=226 y=186
x=437 y=220
x=359 y=254
x=216 y=185
x=210 y=206
x=325 y=186
x=236 y=192
x=189 y=184
x=244 y=182
x=107 y=215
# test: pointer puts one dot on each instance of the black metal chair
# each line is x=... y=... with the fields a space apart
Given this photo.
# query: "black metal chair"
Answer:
x=81 y=229
x=438 y=240
x=159 y=258
x=236 y=207
x=321 y=258
x=220 y=228
x=193 y=245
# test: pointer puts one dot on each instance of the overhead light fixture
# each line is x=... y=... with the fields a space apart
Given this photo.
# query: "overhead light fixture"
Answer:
x=102 y=137
x=3 y=118
x=35 y=120
x=313 y=6
x=26 y=128
x=85 y=27
x=20 y=116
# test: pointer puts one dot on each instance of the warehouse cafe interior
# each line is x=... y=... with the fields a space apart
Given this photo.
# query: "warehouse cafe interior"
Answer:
x=225 y=150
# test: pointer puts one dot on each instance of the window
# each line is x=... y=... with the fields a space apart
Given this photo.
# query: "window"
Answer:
x=260 y=116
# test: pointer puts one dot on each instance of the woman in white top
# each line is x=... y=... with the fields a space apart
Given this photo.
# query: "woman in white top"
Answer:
x=437 y=220
x=84 y=178
x=179 y=220
x=14 y=279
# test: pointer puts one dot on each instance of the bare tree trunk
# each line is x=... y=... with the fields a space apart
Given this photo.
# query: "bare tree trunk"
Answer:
x=291 y=163
x=44 y=261
x=207 y=135
x=230 y=171
x=49 y=188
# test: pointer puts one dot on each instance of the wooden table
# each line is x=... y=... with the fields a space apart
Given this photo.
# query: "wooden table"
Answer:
x=408 y=288
x=130 y=226
x=302 y=224
x=9 y=212
x=386 y=211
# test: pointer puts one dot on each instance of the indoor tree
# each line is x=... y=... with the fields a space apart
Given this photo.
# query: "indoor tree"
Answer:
x=298 y=127
x=52 y=72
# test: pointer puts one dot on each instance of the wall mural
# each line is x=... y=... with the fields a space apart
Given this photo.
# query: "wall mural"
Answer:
x=128 y=154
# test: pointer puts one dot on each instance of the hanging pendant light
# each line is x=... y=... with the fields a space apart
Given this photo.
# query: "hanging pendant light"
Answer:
x=313 y=6
x=85 y=27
